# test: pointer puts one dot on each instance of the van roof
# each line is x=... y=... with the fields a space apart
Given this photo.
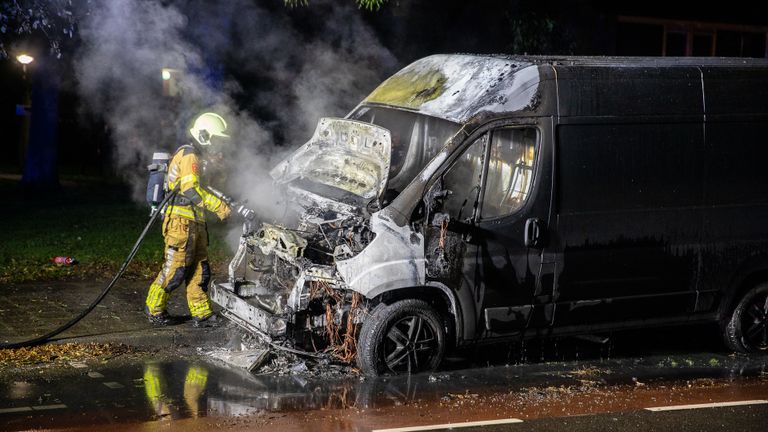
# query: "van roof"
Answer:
x=617 y=61
x=458 y=87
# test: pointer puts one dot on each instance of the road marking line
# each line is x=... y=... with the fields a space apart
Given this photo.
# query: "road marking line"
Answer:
x=450 y=425
x=708 y=405
x=48 y=407
x=113 y=385
x=13 y=410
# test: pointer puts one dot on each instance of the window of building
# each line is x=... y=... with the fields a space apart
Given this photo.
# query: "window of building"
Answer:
x=740 y=44
x=640 y=36
x=675 y=44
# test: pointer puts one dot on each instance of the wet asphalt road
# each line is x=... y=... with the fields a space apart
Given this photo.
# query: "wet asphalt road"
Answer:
x=751 y=417
x=560 y=385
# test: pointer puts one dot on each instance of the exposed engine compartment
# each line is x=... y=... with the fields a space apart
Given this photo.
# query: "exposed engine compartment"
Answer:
x=290 y=273
x=283 y=283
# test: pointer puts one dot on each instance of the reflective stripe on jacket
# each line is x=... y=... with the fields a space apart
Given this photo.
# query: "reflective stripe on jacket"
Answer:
x=183 y=171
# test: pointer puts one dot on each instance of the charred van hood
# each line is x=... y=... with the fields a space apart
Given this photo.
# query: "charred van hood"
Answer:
x=343 y=159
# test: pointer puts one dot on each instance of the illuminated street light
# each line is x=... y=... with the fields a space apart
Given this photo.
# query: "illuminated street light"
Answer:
x=25 y=59
x=170 y=81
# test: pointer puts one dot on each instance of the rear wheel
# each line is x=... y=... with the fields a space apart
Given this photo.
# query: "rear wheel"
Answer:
x=747 y=327
x=407 y=336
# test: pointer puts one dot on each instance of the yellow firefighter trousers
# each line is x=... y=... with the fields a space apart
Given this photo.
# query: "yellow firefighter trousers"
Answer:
x=186 y=261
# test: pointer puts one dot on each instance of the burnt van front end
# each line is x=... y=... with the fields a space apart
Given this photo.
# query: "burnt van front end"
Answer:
x=398 y=204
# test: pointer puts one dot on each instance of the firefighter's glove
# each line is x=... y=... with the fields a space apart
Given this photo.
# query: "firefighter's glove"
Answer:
x=223 y=211
x=245 y=212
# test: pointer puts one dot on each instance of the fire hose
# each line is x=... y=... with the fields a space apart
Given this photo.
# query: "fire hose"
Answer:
x=41 y=339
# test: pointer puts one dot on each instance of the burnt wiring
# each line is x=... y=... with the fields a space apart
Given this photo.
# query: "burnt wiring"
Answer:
x=341 y=345
x=443 y=232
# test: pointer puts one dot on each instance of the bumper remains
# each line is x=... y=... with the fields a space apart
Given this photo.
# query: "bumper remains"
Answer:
x=247 y=312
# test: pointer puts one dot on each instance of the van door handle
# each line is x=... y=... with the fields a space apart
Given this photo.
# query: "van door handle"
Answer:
x=532 y=232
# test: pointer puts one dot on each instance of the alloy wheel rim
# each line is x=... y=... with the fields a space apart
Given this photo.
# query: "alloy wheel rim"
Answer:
x=409 y=345
x=754 y=323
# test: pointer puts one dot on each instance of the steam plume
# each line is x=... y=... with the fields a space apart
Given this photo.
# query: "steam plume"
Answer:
x=286 y=78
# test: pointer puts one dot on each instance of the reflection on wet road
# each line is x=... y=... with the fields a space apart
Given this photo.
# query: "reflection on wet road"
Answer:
x=172 y=390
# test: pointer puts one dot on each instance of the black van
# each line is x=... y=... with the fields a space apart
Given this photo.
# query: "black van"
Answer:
x=478 y=198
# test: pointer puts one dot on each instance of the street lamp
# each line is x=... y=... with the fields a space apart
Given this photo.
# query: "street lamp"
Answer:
x=170 y=81
x=24 y=59
x=26 y=107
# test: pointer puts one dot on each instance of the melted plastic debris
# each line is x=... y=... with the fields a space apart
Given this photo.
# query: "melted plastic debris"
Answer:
x=247 y=352
x=283 y=364
x=248 y=359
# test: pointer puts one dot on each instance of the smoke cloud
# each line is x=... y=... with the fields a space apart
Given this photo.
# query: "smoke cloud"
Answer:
x=270 y=74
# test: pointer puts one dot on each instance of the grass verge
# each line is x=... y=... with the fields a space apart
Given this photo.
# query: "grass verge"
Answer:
x=95 y=223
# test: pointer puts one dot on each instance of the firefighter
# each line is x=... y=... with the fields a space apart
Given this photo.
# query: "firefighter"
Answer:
x=184 y=228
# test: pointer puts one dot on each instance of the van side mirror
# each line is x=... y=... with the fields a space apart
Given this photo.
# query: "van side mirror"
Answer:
x=532 y=232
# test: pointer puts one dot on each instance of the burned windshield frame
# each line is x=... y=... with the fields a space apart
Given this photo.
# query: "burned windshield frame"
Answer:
x=415 y=140
x=463 y=181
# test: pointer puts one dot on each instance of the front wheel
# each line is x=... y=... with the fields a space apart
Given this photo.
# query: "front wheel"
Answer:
x=747 y=327
x=407 y=336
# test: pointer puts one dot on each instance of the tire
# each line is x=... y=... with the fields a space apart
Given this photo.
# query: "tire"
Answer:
x=746 y=328
x=407 y=336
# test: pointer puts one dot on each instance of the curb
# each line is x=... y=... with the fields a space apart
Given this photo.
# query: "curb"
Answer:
x=156 y=337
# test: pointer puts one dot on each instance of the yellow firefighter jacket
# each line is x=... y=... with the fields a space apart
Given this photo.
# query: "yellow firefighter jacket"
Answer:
x=184 y=172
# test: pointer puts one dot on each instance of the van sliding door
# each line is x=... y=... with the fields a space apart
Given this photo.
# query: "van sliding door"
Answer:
x=629 y=200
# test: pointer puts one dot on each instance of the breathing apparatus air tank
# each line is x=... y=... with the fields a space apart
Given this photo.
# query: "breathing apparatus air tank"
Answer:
x=158 y=171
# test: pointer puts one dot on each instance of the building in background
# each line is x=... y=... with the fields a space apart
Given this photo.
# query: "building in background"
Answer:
x=641 y=35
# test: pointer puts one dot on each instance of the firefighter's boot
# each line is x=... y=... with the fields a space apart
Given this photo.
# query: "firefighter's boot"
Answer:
x=157 y=298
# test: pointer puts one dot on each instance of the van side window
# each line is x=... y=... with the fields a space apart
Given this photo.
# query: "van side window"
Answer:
x=463 y=181
x=510 y=171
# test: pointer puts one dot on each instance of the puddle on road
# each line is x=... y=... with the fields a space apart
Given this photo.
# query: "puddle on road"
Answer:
x=174 y=389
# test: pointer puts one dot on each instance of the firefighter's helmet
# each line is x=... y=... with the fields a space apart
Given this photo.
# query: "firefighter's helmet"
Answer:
x=206 y=126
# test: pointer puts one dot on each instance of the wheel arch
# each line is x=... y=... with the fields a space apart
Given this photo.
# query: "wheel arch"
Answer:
x=437 y=295
x=740 y=287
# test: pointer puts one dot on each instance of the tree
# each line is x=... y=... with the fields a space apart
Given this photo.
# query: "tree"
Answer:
x=50 y=20
x=364 y=4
